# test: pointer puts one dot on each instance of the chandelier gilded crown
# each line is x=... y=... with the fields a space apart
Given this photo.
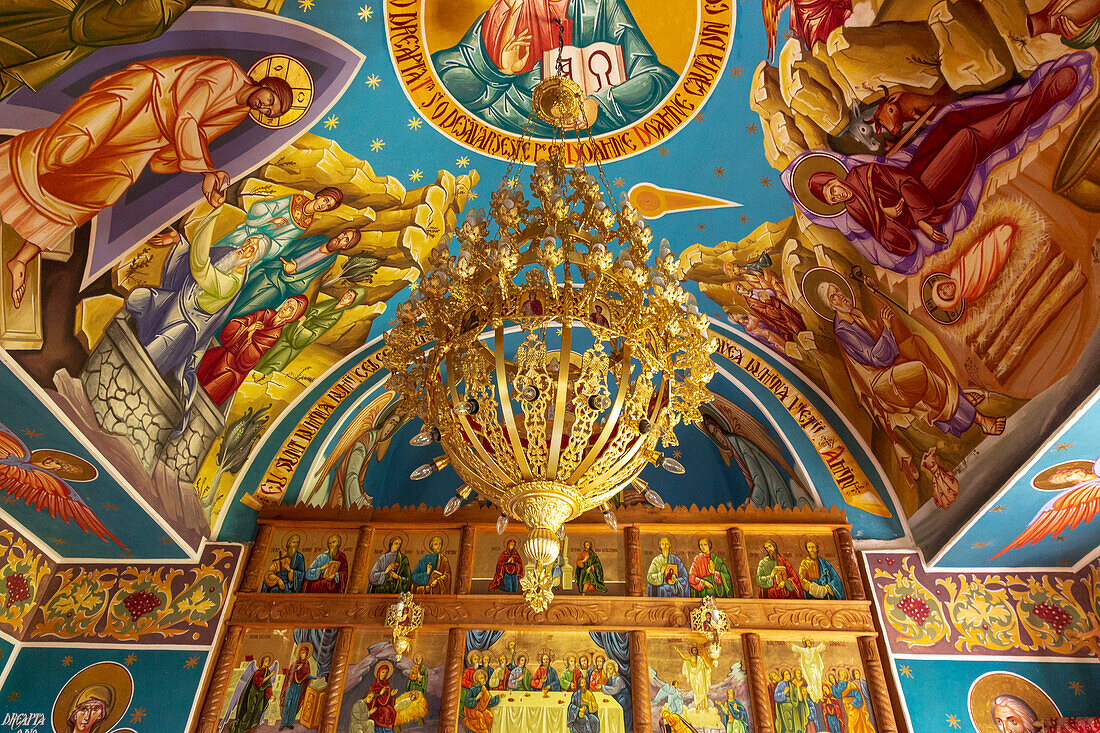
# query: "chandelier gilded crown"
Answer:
x=545 y=365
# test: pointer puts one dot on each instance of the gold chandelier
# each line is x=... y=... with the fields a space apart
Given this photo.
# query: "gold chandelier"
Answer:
x=545 y=366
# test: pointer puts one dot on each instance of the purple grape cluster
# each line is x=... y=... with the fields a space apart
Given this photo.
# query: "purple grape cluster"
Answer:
x=18 y=589
x=1058 y=618
x=915 y=608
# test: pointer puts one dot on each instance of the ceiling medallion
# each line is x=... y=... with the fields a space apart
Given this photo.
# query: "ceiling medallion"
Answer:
x=545 y=365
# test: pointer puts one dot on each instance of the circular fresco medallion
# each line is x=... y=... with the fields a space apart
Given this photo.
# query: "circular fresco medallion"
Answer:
x=470 y=68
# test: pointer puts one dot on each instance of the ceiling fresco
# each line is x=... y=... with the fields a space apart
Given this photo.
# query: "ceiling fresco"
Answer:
x=888 y=209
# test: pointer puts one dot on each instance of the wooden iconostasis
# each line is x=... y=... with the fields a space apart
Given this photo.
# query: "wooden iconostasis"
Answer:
x=306 y=646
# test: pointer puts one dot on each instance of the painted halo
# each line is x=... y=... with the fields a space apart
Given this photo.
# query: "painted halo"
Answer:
x=1056 y=478
x=810 y=282
x=78 y=469
x=991 y=684
x=100 y=680
x=293 y=72
x=387 y=665
x=932 y=304
x=431 y=536
x=801 y=171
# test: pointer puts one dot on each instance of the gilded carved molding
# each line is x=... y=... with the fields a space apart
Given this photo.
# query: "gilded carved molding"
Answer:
x=252 y=609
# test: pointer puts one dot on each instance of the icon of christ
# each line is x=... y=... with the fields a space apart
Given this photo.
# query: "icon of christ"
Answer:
x=503 y=55
x=161 y=114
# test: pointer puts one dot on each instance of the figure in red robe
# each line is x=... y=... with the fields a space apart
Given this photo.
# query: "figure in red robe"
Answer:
x=893 y=202
x=811 y=20
x=329 y=572
x=244 y=341
x=516 y=38
x=380 y=698
x=509 y=569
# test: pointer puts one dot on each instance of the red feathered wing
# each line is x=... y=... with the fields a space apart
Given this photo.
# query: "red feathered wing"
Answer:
x=47 y=492
x=1079 y=504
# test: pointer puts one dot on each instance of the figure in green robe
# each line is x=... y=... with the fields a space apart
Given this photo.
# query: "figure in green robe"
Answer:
x=588 y=571
x=296 y=336
x=293 y=272
x=496 y=65
x=39 y=39
x=709 y=575
x=391 y=572
x=254 y=698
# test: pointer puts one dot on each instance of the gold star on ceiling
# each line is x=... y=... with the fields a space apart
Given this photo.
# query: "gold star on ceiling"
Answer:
x=1076 y=687
x=373 y=81
x=735 y=72
x=416 y=175
x=365 y=13
x=719 y=171
x=65 y=662
x=462 y=162
x=904 y=671
x=978 y=545
x=130 y=659
x=702 y=226
x=744 y=219
x=191 y=663
x=765 y=182
x=305 y=5
x=751 y=128
x=662 y=151
x=1062 y=447
x=953 y=721
x=999 y=509
x=377 y=144
x=331 y=122
x=619 y=181
x=414 y=123
x=137 y=715
x=30 y=433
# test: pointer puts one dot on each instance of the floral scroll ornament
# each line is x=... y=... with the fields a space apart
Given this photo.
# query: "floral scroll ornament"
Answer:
x=982 y=615
x=22 y=573
x=145 y=603
x=78 y=605
x=912 y=609
x=136 y=602
x=1048 y=612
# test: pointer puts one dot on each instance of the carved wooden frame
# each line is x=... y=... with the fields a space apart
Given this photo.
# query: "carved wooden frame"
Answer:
x=756 y=619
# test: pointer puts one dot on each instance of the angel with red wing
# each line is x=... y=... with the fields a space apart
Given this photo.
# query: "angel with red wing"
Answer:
x=41 y=478
x=811 y=20
x=1078 y=504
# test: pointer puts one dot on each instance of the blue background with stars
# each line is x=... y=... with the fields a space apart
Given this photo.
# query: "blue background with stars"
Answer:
x=1012 y=508
x=381 y=111
x=940 y=688
x=30 y=421
x=164 y=686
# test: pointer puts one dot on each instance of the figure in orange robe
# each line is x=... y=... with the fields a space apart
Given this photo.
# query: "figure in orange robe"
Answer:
x=161 y=114
x=244 y=341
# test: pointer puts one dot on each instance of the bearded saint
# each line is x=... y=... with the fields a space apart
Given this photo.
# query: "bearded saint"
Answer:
x=493 y=69
x=161 y=114
x=898 y=377
x=177 y=320
x=244 y=341
x=906 y=207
